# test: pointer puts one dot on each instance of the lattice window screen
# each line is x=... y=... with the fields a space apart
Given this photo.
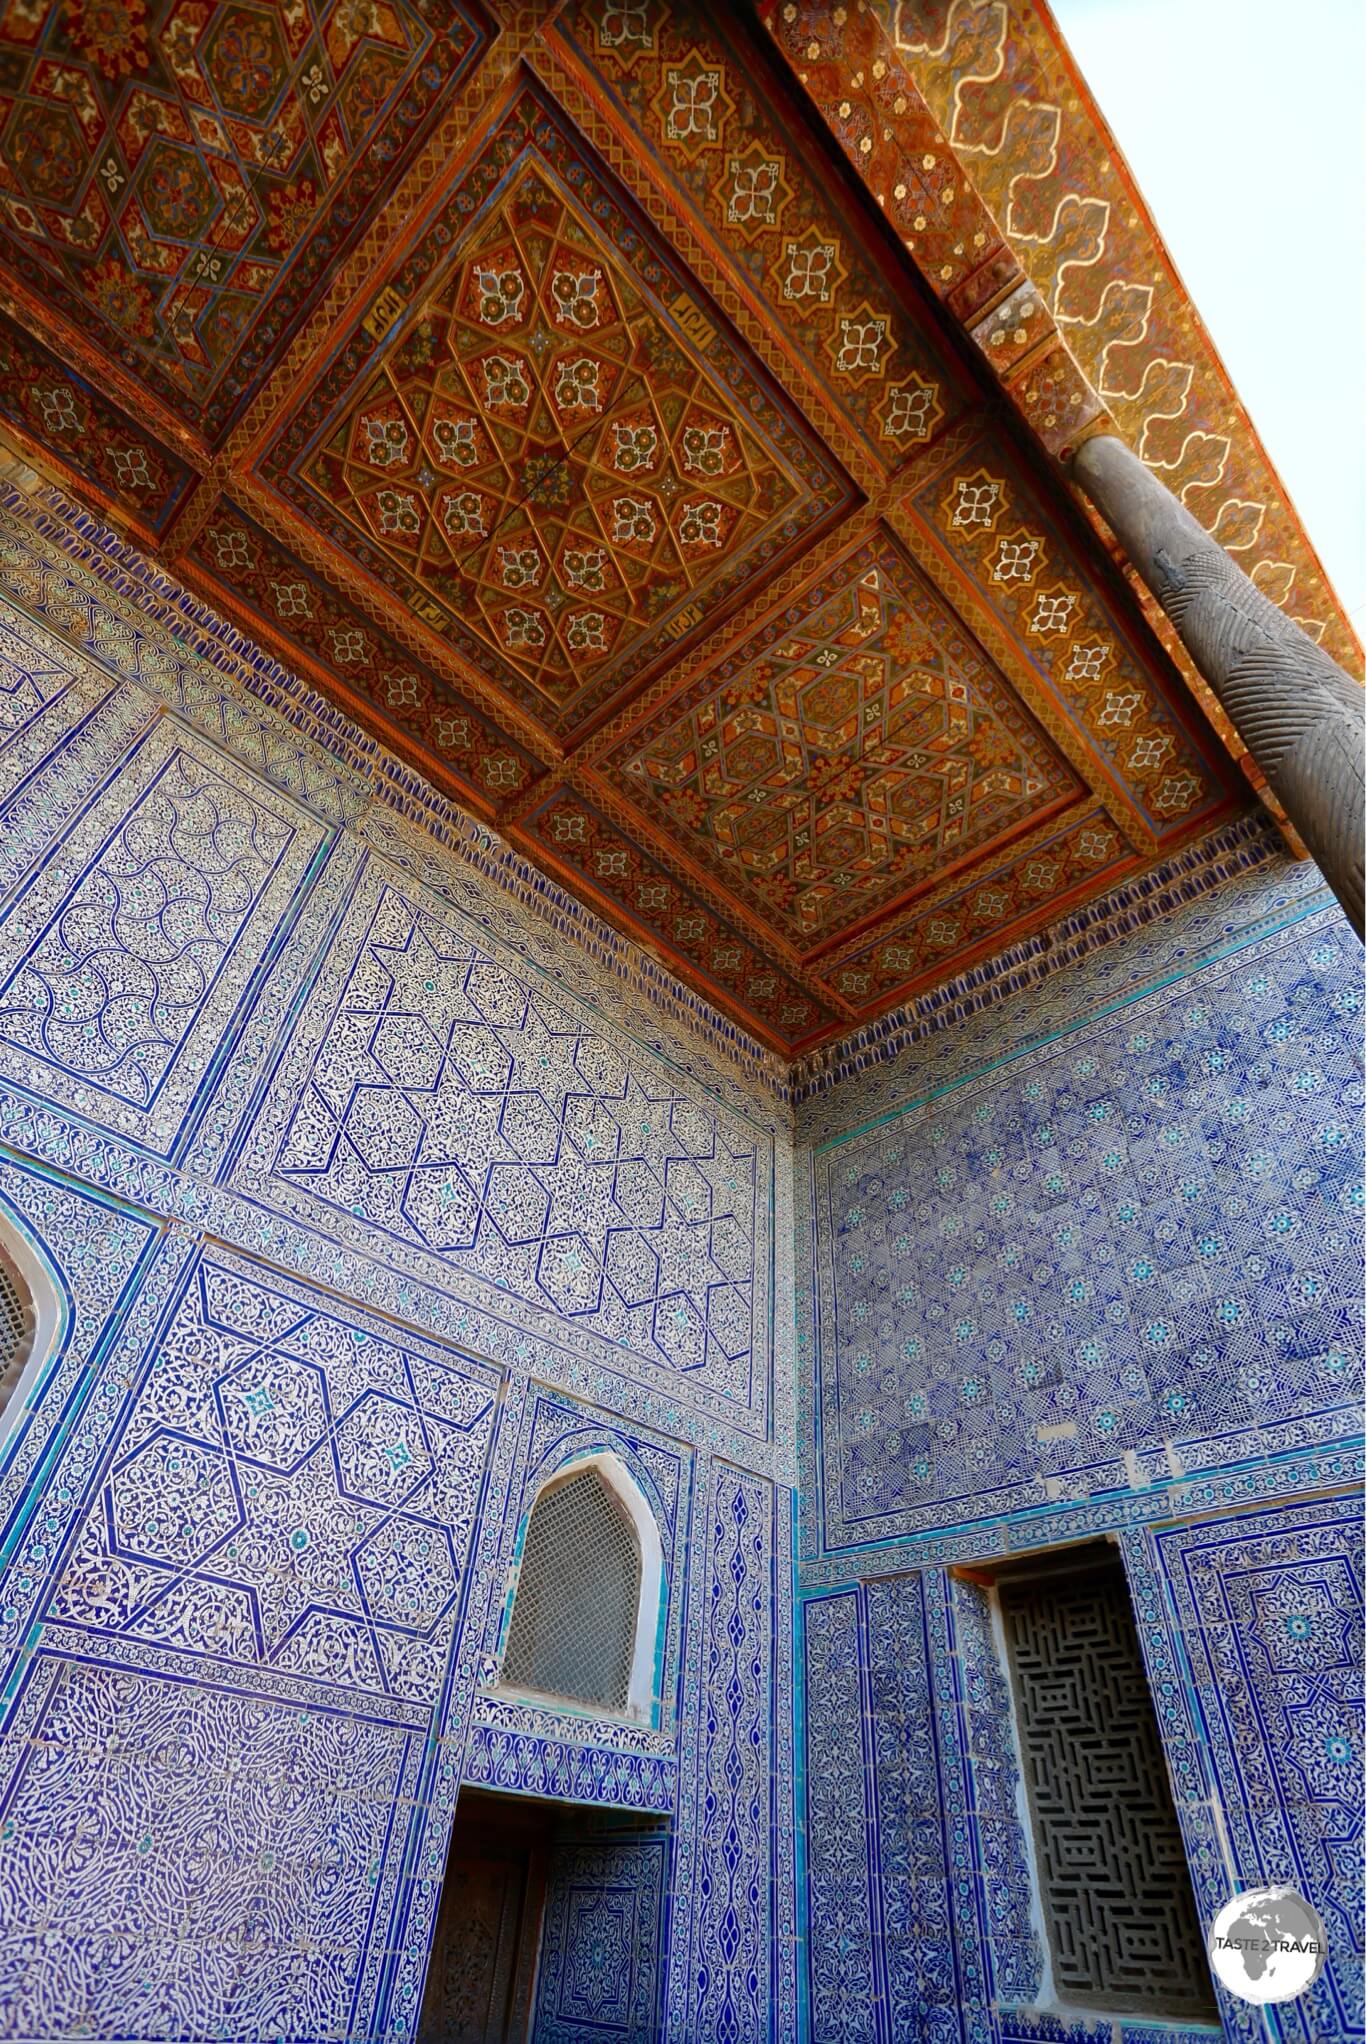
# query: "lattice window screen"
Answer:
x=574 y=1615
x=1122 y=1920
x=16 y=1327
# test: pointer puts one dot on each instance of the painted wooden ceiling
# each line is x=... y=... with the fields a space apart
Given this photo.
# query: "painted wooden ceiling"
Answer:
x=588 y=400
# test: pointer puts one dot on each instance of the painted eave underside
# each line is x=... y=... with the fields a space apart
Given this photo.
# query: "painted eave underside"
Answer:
x=645 y=420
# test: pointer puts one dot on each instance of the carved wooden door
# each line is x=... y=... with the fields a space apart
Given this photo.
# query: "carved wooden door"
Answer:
x=484 y=1953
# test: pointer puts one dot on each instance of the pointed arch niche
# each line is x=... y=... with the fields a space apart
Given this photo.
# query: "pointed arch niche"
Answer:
x=582 y=1629
x=31 y=1316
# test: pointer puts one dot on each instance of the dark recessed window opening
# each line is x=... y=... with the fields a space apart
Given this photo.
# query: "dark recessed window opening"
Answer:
x=1120 y=1915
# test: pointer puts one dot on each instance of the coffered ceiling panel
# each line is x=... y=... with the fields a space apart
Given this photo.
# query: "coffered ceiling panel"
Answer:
x=555 y=453
x=854 y=744
x=976 y=512
x=179 y=179
x=738 y=156
x=614 y=868
x=584 y=399
x=296 y=611
x=72 y=418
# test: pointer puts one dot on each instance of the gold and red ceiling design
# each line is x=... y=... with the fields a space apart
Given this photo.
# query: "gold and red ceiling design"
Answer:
x=382 y=682
x=689 y=97
x=850 y=747
x=180 y=178
x=556 y=456
x=578 y=402
x=69 y=415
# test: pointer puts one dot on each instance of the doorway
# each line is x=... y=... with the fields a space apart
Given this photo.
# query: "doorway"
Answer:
x=488 y=1931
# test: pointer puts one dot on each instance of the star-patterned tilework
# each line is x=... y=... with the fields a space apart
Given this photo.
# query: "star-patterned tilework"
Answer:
x=286 y=1495
x=472 y=1117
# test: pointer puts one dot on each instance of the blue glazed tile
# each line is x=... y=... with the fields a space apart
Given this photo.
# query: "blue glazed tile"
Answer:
x=483 y=1190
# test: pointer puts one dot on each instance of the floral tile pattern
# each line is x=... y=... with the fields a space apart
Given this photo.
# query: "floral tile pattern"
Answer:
x=736 y=1853
x=1266 y=1612
x=894 y=1940
x=1130 y=1255
x=138 y=1750
x=599 y=1976
x=528 y=1752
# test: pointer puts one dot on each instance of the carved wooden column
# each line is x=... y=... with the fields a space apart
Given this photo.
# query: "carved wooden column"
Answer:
x=1301 y=717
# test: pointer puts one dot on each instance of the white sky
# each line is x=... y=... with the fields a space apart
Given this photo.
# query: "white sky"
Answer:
x=1243 y=122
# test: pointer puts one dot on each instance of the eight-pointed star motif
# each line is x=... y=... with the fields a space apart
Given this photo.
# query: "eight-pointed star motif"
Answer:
x=426 y=982
x=296 y=1549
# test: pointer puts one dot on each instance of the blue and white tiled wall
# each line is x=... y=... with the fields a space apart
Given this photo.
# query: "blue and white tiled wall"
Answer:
x=1086 y=1264
x=376 y=1181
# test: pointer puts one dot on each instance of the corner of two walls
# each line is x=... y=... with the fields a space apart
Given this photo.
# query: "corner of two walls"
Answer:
x=1085 y=1264
x=377 y=1182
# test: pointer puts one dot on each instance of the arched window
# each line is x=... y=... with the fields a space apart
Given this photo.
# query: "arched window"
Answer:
x=586 y=1608
x=30 y=1317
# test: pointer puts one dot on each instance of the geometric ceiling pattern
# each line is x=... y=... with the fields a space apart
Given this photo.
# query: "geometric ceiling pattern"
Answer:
x=847 y=748
x=179 y=179
x=546 y=458
x=552 y=455
x=641 y=416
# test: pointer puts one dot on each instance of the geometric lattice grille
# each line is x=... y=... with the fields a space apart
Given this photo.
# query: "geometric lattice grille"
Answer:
x=573 y=1624
x=1122 y=1922
x=16 y=1327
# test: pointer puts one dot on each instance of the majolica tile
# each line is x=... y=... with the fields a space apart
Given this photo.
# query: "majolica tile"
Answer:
x=375 y=1182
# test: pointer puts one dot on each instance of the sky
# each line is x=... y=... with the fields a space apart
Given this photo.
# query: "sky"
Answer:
x=1242 y=122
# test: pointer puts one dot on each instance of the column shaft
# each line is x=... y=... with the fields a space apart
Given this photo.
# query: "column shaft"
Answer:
x=1301 y=717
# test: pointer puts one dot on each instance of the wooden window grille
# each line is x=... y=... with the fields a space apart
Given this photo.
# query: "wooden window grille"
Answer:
x=1123 y=1929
